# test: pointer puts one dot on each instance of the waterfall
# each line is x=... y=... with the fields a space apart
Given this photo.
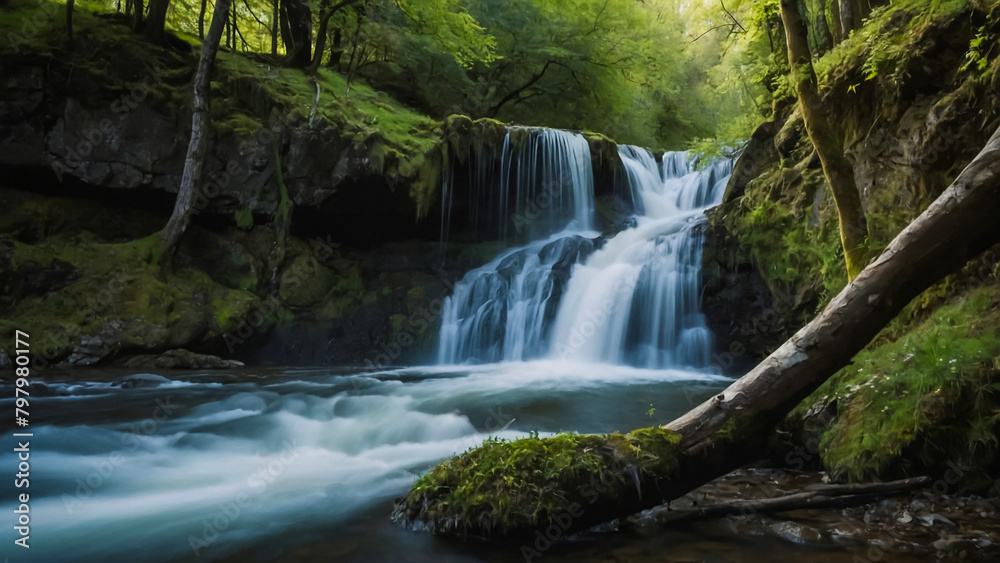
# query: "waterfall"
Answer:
x=636 y=301
x=632 y=299
x=538 y=182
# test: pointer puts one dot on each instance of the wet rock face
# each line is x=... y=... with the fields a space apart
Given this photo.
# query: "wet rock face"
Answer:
x=56 y=130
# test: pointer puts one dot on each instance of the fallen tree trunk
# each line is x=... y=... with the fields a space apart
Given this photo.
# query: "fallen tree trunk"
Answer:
x=815 y=496
x=568 y=483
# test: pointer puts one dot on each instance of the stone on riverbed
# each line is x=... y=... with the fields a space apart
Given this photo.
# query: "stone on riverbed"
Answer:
x=180 y=359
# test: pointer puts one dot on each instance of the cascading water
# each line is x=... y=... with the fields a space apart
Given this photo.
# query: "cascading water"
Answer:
x=636 y=301
x=537 y=183
x=574 y=295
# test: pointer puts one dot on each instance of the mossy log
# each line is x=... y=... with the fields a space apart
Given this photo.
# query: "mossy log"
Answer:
x=511 y=489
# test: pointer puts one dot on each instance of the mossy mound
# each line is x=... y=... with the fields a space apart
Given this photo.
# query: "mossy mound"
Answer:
x=510 y=487
x=925 y=397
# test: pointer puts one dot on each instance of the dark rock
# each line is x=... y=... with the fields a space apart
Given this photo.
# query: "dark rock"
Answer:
x=178 y=359
x=39 y=280
x=140 y=380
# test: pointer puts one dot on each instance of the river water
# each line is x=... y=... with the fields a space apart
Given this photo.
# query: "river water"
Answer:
x=303 y=464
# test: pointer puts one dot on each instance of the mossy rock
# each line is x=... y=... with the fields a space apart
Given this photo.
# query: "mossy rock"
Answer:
x=510 y=487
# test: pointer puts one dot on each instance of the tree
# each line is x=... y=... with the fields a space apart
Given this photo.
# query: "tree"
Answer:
x=296 y=31
x=69 y=18
x=201 y=19
x=200 y=129
x=137 y=14
x=621 y=475
x=155 y=30
x=326 y=11
x=836 y=167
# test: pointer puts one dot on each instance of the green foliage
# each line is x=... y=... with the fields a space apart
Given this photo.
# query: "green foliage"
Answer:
x=982 y=46
x=889 y=40
x=930 y=390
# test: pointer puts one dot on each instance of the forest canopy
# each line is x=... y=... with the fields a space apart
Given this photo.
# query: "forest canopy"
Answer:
x=658 y=73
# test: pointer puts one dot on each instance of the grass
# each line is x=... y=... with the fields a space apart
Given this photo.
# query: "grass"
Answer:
x=924 y=394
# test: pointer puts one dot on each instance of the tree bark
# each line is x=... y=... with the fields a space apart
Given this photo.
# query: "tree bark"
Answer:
x=298 y=42
x=69 y=18
x=326 y=12
x=156 y=22
x=274 y=29
x=201 y=122
x=201 y=20
x=728 y=430
x=816 y=496
x=137 y=14
x=336 y=50
x=838 y=170
x=836 y=28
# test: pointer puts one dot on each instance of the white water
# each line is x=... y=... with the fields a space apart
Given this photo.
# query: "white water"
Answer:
x=632 y=300
x=293 y=458
x=636 y=301
x=538 y=182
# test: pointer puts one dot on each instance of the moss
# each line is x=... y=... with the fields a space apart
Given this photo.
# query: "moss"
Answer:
x=890 y=39
x=244 y=218
x=507 y=486
x=925 y=394
x=603 y=150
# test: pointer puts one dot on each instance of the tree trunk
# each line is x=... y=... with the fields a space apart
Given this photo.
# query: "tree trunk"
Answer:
x=821 y=32
x=613 y=476
x=852 y=15
x=836 y=28
x=137 y=14
x=336 y=50
x=837 y=169
x=201 y=121
x=326 y=12
x=201 y=20
x=298 y=42
x=155 y=30
x=69 y=18
x=274 y=29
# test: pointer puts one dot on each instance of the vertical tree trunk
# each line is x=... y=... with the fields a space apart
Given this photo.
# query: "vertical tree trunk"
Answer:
x=234 y=26
x=852 y=14
x=137 y=14
x=298 y=44
x=274 y=28
x=326 y=12
x=837 y=169
x=69 y=18
x=201 y=121
x=201 y=20
x=229 y=32
x=336 y=50
x=836 y=28
x=155 y=30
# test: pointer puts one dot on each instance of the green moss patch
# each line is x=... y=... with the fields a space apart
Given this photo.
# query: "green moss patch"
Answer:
x=509 y=486
x=929 y=395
